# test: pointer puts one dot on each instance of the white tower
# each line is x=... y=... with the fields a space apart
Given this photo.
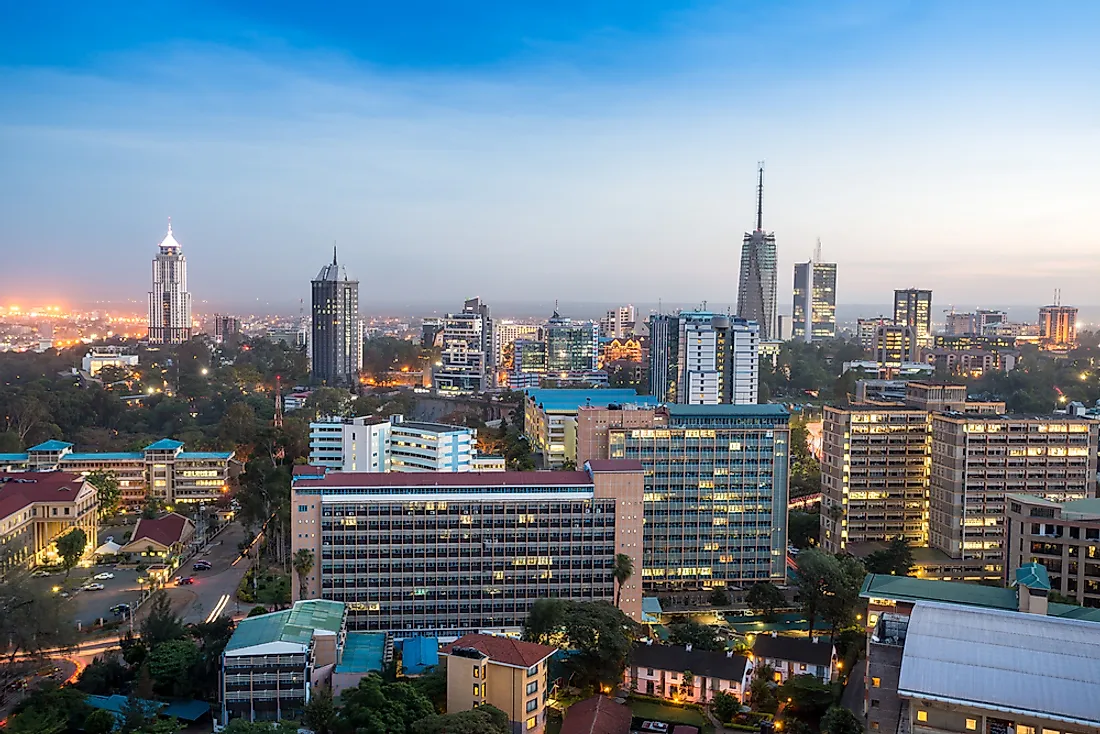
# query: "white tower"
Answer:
x=169 y=301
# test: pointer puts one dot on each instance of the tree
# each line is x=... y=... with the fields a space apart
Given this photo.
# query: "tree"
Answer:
x=99 y=722
x=257 y=611
x=762 y=690
x=103 y=676
x=803 y=529
x=170 y=664
x=327 y=401
x=623 y=570
x=377 y=707
x=699 y=636
x=320 y=712
x=108 y=493
x=816 y=571
x=70 y=547
x=765 y=598
x=719 y=597
x=725 y=706
x=687 y=683
x=483 y=719
x=808 y=698
x=599 y=634
x=238 y=425
x=31 y=619
x=839 y=604
x=162 y=624
x=137 y=716
x=303 y=564
x=49 y=710
x=433 y=684
x=839 y=720
x=545 y=622
x=896 y=559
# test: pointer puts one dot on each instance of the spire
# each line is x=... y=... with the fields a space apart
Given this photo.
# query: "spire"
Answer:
x=760 y=199
x=334 y=252
x=169 y=225
x=817 y=251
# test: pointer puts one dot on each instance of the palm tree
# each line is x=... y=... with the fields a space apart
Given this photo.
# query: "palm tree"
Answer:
x=624 y=569
x=303 y=564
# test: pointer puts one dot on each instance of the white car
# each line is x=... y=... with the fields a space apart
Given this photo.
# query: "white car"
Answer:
x=103 y=576
x=40 y=574
x=93 y=587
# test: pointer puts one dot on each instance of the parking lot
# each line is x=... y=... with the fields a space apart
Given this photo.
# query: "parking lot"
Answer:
x=89 y=606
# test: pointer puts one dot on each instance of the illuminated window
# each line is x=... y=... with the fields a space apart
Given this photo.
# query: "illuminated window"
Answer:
x=477 y=671
x=477 y=689
x=876 y=682
x=532 y=722
x=1024 y=729
x=922 y=716
x=971 y=724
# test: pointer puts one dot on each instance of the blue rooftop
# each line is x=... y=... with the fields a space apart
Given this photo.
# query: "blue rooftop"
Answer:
x=418 y=654
x=51 y=446
x=206 y=455
x=363 y=652
x=571 y=400
x=766 y=409
x=5 y=458
x=165 y=444
x=107 y=456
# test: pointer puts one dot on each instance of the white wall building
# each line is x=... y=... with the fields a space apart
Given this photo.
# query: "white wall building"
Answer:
x=718 y=359
x=420 y=447
x=744 y=337
x=101 y=357
x=169 y=300
x=372 y=444
x=506 y=332
x=350 y=444
x=618 y=322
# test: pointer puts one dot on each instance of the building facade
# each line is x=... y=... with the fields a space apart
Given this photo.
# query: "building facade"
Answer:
x=505 y=333
x=1058 y=327
x=684 y=675
x=336 y=336
x=169 y=300
x=101 y=357
x=571 y=346
x=1062 y=536
x=467 y=350
x=445 y=553
x=618 y=323
x=894 y=346
x=703 y=358
x=227 y=329
x=814 y=310
x=417 y=446
x=550 y=419
x=758 y=276
x=865 y=330
x=37 y=508
x=350 y=444
x=913 y=308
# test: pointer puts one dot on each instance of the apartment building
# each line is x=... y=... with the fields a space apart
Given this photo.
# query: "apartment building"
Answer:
x=503 y=672
x=37 y=508
x=350 y=444
x=716 y=484
x=550 y=418
x=162 y=470
x=1062 y=536
x=371 y=444
x=448 y=553
x=977 y=459
x=418 y=446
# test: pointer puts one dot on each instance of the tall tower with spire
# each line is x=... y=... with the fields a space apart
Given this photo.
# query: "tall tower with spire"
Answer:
x=757 y=282
x=169 y=300
x=336 y=333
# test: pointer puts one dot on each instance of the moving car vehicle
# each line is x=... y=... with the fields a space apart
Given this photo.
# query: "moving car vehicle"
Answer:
x=93 y=587
x=201 y=566
x=186 y=580
x=103 y=576
x=120 y=609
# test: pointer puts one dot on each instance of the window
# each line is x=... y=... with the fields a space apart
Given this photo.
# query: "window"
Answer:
x=302 y=508
x=874 y=726
x=802 y=667
x=66 y=510
x=971 y=724
x=876 y=682
x=535 y=671
x=649 y=672
x=477 y=671
x=532 y=687
x=532 y=722
x=922 y=716
x=477 y=689
x=1050 y=731
x=1024 y=729
x=532 y=705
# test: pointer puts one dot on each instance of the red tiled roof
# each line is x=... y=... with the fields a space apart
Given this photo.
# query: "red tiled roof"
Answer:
x=615 y=465
x=452 y=479
x=20 y=489
x=596 y=715
x=165 y=530
x=504 y=649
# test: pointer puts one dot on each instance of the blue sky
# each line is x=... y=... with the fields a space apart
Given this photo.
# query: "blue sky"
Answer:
x=581 y=151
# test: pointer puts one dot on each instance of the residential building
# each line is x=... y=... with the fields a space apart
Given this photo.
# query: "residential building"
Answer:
x=571 y=346
x=866 y=328
x=894 y=346
x=37 y=508
x=550 y=419
x=684 y=675
x=162 y=470
x=1058 y=327
x=448 y=553
x=716 y=485
x=597 y=714
x=431 y=332
x=100 y=357
x=974 y=323
x=273 y=661
x=418 y=446
x=664 y=356
x=227 y=329
x=814 y=311
x=169 y=300
x=977 y=459
x=160 y=537
x=758 y=277
x=1062 y=536
x=467 y=348
x=502 y=672
x=350 y=444
x=505 y=333
x=618 y=323
x=790 y=656
x=913 y=308
x=336 y=337
x=703 y=358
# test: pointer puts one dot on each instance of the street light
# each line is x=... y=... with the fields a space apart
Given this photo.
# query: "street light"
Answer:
x=205 y=371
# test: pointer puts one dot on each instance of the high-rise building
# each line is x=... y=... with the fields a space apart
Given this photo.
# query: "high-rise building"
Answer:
x=913 y=308
x=1057 y=327
x=169 y=301
x=703 y=358
x=336 y=338
x=350 y=444
x=664 y=351
x=865 y=330
x=757 y=282
x=227 y=330
x=894 y=345
x=505 y=332
x=467 y=350
x=814 y=299
x=571 y=346
x=618 y=323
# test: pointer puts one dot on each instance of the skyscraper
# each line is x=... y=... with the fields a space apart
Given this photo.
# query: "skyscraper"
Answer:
x=814 y=299
x=571 y=346
x=756 y=290
x=467 y=350
x=618 y=322
x=169 y=301
x=1057 y=326
x=913 y=308
x=703 y=358
x=337 y=334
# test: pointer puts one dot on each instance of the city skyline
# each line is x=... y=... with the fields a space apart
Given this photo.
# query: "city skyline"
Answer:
x=267 y=133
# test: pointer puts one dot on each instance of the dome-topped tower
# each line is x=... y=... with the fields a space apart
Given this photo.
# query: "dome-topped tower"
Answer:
x=169 y=301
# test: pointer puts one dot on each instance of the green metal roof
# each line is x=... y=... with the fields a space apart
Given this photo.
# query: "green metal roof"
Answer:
x=363 y=652
x=319 y=614
x=1033 y=576
x=295 y=625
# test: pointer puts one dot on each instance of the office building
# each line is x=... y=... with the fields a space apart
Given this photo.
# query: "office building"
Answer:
x=169 y=300
x=866 y=328
x=418 y=446
x=664 y=356
x=505 y=334
x=373 y=444
x=1062 y=536
x=716 y=484
x=227 y=330
x=448 y=553
x=550 y=419
x=571 y=346
x=37 y=508
x=913 y=308
x=894 y=346
x=336 y=337
x=977 y=459
x=350 y=444
x=273 y=661
x=618 y=323
x=162 y=470
x=973 y=323
x=100 y=357
x=524 y=363
x=467 y=350
x=509 y=674
x=1058 y=327
x=814 y=314
x=758 y=277
x=703 y=358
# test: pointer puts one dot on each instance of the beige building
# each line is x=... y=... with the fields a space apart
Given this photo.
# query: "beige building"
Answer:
x=1062 y=536
x=502 y=672
x=37 y=508
x=550 y=419
x=595 y=424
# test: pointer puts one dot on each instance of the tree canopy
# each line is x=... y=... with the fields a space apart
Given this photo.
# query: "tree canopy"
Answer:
x=765 y=598
x=599 y=634
x=699 y=636
x=896 y=559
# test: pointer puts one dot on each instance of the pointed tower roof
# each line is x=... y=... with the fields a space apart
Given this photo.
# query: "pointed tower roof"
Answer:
x=169 y=242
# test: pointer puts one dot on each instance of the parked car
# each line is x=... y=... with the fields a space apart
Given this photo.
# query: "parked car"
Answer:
x=186 y=581
x=654 y=726
x=40 y=574
x=201 y=566
x=120 y=609
x=103 y=576
x=93 y=587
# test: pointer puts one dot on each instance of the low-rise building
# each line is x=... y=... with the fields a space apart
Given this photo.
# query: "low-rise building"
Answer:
x=502 y=672
x=790 y=656
x=37 y=508
x=682 y=674
x=1063 y=536
x=550 y=418
x=101 y=357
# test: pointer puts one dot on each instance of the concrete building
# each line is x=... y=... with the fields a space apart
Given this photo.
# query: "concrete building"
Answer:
x=894 y=346
x=418 y=446
x=913 y=308
x=716 y=484
x=445 y=554
x=550 y=418
x=273 y=662
x=505 y=333
x=509 y=674
x=618 y=323
x=684 y=675
x=1058 y=327
x=756 y=289
x=100 y=357
x=160 y=537
x=974 y=323
x=162 y=469
x=169 y=300
x=350 y=444
x=336 y=336
x=814 y=310
x=227 y=329
x=37 y=508
x=703 y=358
x=1062 y=536
x=865 y=330
x=467 y=350
x=373 y=444
x=664 y=350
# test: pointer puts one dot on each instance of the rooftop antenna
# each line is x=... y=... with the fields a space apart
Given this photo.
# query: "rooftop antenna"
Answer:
x=334 y=252
x=817 y=251
x=278 y=402
x=760 y=199
x=169 y=225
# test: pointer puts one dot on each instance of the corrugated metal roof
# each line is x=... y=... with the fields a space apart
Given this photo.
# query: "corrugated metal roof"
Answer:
x=294 y=625
x=1007 y=661
x=1033 y=576
x=363 y=652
